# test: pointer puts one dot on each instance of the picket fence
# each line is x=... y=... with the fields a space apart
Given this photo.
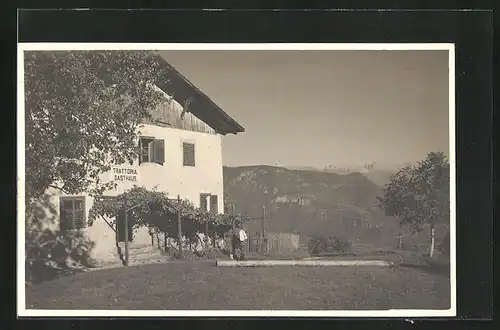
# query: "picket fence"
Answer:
x=275 y=243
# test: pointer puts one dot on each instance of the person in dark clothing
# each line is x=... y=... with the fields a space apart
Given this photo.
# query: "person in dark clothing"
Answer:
x=234 y=244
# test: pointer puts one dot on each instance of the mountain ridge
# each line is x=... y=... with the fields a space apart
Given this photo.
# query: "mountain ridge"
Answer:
x=307 y=201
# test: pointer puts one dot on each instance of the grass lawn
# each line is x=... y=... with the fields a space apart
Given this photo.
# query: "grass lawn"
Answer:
x=188 y=285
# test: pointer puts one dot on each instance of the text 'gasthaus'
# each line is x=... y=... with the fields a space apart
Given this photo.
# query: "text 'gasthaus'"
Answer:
x=125 y=174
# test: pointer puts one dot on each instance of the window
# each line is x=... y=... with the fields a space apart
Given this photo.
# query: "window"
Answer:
x=188 y=154
x=151 y=151
x=203 y=202
x=214 y=204
x=72 y=213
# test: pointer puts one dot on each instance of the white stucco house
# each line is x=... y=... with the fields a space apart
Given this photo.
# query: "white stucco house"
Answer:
x=181 y=154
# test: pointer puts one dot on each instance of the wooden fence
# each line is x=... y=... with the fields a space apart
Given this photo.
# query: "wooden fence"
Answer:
x=275 y=243
x=282 y=242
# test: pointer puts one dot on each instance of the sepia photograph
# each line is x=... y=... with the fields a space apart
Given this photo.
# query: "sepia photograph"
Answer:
x=236 y=179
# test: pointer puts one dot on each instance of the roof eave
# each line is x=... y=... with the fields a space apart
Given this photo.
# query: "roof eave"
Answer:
x=229 y=124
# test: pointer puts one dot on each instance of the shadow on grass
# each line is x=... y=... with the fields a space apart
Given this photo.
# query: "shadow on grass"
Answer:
x=443 y=270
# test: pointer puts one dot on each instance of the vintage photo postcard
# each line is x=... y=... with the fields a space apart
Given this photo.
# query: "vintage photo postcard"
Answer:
x=236 y=180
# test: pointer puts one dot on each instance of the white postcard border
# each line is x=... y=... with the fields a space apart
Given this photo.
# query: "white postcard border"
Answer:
x=21 y=298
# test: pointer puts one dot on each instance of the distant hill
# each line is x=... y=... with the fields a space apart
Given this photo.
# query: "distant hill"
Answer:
x=309 y=201
x=378 y=176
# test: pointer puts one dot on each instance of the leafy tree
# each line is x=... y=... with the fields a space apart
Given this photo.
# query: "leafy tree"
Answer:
x=82 y=109
x=419 y=194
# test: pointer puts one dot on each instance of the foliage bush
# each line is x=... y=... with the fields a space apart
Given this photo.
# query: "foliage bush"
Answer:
x=204 y=254
x=339 y=244
x=50 y=254
x=320 y=243
x=209 y=253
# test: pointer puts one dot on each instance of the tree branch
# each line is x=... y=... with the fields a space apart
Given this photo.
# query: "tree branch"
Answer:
x=58 y=188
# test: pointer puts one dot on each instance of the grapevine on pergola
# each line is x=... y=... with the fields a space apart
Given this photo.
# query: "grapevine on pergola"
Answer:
x=157 y=210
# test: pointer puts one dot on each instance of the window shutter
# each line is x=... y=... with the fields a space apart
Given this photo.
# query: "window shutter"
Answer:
x=65 y=214
x=151 y=151
x=72 y=213
x=214 y=205
x=159 y=147
x=142 y=152
x=203 y=202
x=189 y=154
x=79 y=213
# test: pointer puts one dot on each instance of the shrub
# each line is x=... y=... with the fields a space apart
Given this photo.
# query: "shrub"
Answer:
x=50 y=254
x=225 y=251
x=317 y=244
x=322 y=244
x=339 y=244
x=208 y=253
x=186 y=255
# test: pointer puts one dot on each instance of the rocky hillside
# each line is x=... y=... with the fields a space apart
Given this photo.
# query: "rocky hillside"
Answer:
x=308 y=201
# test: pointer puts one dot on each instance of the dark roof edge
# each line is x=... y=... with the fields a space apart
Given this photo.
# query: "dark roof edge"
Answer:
x=236 y=127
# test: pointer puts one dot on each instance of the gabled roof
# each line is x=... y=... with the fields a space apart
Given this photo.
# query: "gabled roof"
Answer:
x=200 y=105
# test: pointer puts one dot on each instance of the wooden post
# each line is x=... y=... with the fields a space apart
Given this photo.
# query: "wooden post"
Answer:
x=263 y=229
x=126 y=232
x=117 y=231
x=207 y=239
x=431 y=250
x=233 y=212
x=179 y=228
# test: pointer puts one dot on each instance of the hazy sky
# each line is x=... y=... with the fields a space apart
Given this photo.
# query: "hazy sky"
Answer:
x=316 y=108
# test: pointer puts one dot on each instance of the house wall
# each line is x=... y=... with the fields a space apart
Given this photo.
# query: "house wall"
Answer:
x=171 y=177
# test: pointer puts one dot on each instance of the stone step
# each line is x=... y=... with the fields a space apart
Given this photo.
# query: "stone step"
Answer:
x=140 y=252
x=140 y=260
x=146 y=256
x=132 y=262
x=140 y=249
x=135 y=246
x=149 y=260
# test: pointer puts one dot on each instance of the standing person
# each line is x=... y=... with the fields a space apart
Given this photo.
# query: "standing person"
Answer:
x=238 y=237
x=242 y=237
